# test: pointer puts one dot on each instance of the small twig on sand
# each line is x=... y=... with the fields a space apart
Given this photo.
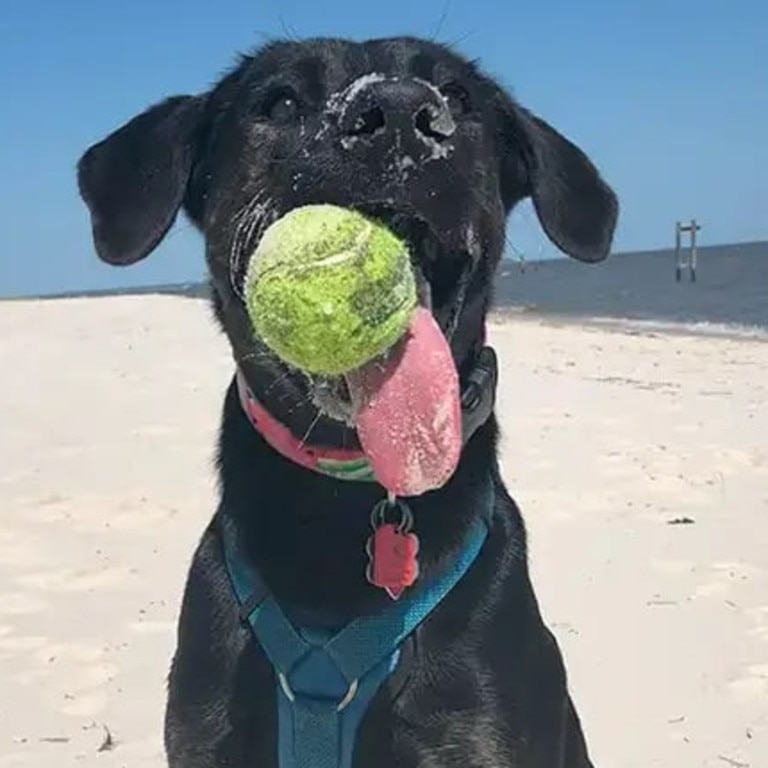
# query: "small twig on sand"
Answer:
x=731 y=761
x=108 y=743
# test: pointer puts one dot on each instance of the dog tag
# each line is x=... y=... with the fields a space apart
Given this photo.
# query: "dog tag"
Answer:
x=392 y=553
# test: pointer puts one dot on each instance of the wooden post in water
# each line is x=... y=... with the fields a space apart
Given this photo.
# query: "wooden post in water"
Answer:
x=680 y=262
x=693 y=230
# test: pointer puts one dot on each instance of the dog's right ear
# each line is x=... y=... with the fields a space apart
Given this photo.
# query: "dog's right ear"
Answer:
x=134 y=181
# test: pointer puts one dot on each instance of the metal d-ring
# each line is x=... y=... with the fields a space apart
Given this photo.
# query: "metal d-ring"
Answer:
x=349 y=696
x=285 y=685
x=379 y=514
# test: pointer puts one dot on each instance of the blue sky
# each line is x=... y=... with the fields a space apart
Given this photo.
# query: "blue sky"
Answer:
x=669 y=98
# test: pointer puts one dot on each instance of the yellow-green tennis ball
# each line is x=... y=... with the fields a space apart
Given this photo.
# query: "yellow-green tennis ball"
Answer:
x=329 y=289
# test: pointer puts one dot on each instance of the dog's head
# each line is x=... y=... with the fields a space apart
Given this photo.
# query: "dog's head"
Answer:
x=405 y=130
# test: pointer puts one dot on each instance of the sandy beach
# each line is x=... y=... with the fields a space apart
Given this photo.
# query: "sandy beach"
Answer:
x=639 y=458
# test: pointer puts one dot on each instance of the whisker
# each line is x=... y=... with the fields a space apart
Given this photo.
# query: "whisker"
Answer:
x=247 y=219
x=471 y=187
x=277 y=381
x=314 y=423
x=238 y=222
x=256 y=356
x=441 y=21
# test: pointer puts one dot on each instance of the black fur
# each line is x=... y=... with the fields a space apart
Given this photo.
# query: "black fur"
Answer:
x=442 y=153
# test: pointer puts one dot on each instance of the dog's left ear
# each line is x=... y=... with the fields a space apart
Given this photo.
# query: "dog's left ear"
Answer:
x=576 y=208
x=134 y=181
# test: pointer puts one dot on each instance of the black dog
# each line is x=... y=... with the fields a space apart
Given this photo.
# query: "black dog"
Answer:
x=411 y=133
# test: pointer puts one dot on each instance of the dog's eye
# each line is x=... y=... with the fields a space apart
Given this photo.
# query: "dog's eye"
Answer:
x=457 y=98
x=283 y=107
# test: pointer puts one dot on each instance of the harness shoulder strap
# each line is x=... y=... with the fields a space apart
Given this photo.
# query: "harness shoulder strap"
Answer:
x=366 y=641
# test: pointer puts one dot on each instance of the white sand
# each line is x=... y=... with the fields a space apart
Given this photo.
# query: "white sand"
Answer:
x=110 y=409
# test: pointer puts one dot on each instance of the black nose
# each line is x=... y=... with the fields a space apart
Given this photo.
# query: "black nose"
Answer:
x=402 y=108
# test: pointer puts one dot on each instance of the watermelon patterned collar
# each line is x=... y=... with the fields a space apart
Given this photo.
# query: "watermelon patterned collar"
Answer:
x=339 y=463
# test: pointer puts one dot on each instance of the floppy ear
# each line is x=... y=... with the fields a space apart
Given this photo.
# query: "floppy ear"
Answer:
x=576 y=208
x=134 y=181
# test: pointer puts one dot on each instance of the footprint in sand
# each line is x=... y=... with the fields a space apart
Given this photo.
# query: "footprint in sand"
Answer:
x=712 y=589
x=72 y=678
x=71 y=580
x=616 y=468
x=141 y=518
x=759 y=615
x=85 y=704
x=78 y=691
x=760 y=632
x=85 y=514
x=20 y=550
x=69 y=653
x=152 y=627
x=672 y=566
x=21 y=603
x=83 y=692
x=16 y=643
x=726 y=576
x=738 y=569
x=154 y=430
x=753 y=685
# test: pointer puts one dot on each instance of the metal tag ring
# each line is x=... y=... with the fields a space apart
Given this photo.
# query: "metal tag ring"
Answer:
x=379 y=514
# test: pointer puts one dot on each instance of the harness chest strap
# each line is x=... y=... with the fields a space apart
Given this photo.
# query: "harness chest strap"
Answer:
x=326 y=680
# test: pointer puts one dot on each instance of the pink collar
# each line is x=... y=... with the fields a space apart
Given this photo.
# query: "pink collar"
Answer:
x=339 y=463
x=342 y=464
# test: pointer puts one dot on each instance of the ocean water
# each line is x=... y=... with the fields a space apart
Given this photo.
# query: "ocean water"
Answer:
x=697 y=328
x=639 y=291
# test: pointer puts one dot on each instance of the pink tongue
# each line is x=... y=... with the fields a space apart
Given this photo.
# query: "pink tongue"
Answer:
x=408 y=413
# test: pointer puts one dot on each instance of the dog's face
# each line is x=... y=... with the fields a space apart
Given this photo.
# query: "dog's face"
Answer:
x=402 y=129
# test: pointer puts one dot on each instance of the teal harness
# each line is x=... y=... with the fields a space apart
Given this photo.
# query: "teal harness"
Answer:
x=326 y=680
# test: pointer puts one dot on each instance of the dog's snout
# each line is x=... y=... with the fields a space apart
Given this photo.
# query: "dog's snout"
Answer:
x=408 y=107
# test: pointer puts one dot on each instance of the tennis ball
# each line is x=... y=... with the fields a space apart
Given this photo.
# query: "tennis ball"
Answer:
x=329 y=289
